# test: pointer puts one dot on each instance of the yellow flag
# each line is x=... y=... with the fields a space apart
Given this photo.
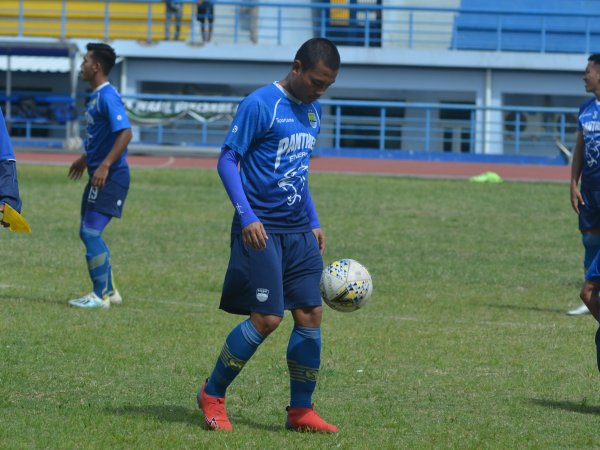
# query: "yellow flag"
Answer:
x=15 y=220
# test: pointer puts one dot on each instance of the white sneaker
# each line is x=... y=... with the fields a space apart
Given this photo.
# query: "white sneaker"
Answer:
x=90 y=300
x=115 y=298
x=579 y=311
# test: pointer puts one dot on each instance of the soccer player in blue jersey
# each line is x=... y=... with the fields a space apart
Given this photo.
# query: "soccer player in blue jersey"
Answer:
x=276 y=239
x=9 y=185
x=586 y=198
x=107 y=135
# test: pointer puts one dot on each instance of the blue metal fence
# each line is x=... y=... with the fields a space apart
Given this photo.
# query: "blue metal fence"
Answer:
x=374 y=126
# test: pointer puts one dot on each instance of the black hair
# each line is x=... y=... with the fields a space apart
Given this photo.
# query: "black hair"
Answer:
x=595 y=58
x=317 y=50
x=103 y=54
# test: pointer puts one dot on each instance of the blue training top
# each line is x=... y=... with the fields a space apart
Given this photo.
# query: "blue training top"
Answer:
x=105 y=116
x=274 y=134
x=6 y=150
x=589 y=125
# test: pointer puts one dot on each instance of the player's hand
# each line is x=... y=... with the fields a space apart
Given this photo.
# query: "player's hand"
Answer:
x=99 y=177
x=77 y=168
x=320 y=239
x=255 y=236
x=576 y=198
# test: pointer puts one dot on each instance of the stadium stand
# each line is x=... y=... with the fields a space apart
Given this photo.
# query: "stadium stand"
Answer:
x=79 y=19
x=460 y=79
x=528 y=26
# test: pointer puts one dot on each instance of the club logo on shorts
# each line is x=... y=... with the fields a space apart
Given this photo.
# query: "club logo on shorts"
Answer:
x=262 y=295
x=312 y=118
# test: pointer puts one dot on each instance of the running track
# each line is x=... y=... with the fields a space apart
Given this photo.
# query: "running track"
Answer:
x=424 y=169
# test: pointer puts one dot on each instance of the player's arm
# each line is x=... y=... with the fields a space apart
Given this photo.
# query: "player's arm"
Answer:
x=576 y=169
x=313 y=218
x=120 y=145
x=253 y=231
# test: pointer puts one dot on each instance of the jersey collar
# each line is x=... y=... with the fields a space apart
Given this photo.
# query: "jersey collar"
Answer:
x=101 y=86
x=286 y=93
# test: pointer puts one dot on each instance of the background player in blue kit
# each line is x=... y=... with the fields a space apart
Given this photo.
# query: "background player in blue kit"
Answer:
x=9 y=184
x=276 y=240
x=107 y=135
x=585 y=167
x=586 y=201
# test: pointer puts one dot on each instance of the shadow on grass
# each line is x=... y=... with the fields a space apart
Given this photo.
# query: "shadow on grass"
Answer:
x=179 y=414
x=528 y=308
x=577 y=407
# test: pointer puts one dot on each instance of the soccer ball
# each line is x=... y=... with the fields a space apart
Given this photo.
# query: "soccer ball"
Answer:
x=346 y=285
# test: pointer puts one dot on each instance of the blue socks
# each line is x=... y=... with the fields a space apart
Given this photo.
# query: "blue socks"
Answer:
x=304 y=359
x=97 y=254
x=98 y=260
x=239 y=347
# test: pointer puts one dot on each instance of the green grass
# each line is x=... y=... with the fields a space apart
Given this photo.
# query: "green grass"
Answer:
x=464 y=343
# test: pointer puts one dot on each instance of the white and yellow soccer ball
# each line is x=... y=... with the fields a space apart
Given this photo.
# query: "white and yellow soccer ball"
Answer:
x=346 y=285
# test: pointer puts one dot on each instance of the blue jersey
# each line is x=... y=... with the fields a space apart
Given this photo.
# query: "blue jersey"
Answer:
x=6 y=150
x=275 y=134
x=105 y=116
x=589 y=125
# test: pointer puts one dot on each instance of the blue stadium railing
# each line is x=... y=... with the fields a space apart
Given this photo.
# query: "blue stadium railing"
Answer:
x=378 y=129
x=517 y=26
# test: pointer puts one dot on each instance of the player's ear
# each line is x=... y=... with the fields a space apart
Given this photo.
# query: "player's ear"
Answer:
x=296 y=67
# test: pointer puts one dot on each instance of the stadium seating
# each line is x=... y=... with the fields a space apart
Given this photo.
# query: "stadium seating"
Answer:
x=528 y=25
x=121 y=20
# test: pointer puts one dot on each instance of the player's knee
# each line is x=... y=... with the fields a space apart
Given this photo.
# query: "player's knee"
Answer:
x=265 y=324
x=87 y=234
x=308 y=317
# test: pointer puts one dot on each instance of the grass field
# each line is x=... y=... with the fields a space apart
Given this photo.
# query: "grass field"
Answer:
x=465 y=343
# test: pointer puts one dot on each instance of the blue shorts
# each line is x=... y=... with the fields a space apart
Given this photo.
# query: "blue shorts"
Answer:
x=589 y=213
x=108 y=200
x=9 y=185
x=285 y=275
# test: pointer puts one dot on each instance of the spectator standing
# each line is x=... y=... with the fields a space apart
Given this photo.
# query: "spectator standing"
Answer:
x=205 y=14
x=173 y=10
x=249 y=19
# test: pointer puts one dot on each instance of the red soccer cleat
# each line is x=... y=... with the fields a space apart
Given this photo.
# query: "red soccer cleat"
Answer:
x=306 y=419
x=215 y=416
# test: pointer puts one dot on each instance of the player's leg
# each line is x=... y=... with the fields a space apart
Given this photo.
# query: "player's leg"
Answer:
x=98 y=207
x=589 y=296
x=9 y=187
x=252 y=286
x=591 y=247
x=589 y=225
x=97 y=256
x=301 y=286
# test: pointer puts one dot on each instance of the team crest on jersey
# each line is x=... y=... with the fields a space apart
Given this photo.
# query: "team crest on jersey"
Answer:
x=312 y=118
